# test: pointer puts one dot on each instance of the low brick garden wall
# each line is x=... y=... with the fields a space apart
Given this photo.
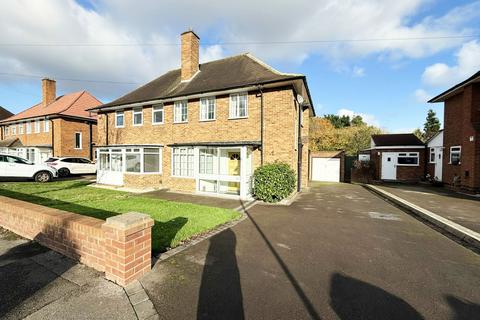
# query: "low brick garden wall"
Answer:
x=120 y=246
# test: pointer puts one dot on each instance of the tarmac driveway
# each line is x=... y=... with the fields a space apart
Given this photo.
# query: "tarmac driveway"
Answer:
x=338 y=252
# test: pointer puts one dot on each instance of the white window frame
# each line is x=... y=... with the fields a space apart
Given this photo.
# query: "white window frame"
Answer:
x=204 y=108
x=233 y=113
x=28 y=128
x=180 y=104
x=20 y=128
x=134 y=112
x=46 y=125
x=75 y=141
x=409 y=155
x=459 y=151
x=37 y=126
x=432 y=152
x=14 y=129
x=117 y=115
x=158 y=108
x=187 y=154
x=160 y=160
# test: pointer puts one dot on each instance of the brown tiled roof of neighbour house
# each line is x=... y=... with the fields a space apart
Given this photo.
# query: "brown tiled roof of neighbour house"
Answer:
x=400 y=139
x=224 y=74
x=4 y=113
x=70 y=105
x=455 y=89
x=10 y=142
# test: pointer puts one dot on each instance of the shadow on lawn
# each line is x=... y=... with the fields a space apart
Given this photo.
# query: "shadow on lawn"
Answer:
x=163 y=233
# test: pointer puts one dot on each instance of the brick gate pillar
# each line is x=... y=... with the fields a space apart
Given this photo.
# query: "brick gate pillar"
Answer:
x=128 y=247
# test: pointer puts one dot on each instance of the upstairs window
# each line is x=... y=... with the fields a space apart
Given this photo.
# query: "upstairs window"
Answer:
x=157 y=114
x=238 y=106
x=46 y=125
x=137 y=116
x=37 y=126
x=28 y=127
x=78 y=140
x=455 y=155
x=407 y=159
x=207 y=109
x=20 y=128
x=180 y=111
x=119 y=119
x=14 y=129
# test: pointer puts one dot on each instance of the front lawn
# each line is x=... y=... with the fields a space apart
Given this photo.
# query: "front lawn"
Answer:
x=174 y=221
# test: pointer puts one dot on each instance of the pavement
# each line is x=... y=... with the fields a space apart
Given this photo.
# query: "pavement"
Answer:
x=338 y=252
x=37 y=283
x=459 y=208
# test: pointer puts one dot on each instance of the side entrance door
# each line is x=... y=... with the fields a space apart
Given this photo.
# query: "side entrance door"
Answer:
x=438 y=163
x=389 y=166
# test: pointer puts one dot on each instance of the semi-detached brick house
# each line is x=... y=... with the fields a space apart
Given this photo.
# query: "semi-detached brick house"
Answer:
x=461 y=136
x=57 y=126
x=205 y=127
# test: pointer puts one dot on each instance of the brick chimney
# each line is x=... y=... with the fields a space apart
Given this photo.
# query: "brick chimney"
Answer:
x=48 y=91
x=190 y=47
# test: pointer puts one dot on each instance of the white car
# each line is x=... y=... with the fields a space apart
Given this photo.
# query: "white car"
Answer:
x=72 y=165
x=13 y=166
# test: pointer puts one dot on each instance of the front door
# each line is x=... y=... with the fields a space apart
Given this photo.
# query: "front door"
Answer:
x=234 y=170
x=438 y=163
x=389 y=166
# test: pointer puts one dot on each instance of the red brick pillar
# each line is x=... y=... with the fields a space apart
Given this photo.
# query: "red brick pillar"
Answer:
x=128 y=246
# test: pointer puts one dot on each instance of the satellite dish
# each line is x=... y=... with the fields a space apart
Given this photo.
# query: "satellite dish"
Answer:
x=300 y=99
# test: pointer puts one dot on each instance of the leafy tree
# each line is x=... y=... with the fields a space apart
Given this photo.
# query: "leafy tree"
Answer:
x=338 y=121
x=419 y=134
x=431 y=126
x=357 y=121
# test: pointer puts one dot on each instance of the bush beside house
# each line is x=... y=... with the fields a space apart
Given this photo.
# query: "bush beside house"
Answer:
x=273 y=182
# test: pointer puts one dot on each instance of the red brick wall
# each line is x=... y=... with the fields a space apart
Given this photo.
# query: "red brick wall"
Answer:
x=461 y=113
x=123 y=253
x=404 y=173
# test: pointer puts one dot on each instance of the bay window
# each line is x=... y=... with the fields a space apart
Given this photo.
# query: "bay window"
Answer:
x=180 y=111
x=238 y=106
x=151 y=160
x=133 y=160
x=182 y=162
x=207 y=109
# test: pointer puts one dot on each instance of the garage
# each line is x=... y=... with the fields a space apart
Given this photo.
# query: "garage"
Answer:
x=327 y=166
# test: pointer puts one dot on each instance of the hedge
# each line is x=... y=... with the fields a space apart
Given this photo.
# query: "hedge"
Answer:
x=273 y=182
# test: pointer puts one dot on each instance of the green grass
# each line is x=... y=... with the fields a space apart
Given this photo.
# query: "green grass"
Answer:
x=174 y=221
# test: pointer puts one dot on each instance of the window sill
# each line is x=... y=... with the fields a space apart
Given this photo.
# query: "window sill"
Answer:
x=142 y=173
x=207 y=120
x=180 y=122
x=238 y=118
x=407 y=165
x=119 y=127
x=157 y=123
x=137 y=125
x=182 y=177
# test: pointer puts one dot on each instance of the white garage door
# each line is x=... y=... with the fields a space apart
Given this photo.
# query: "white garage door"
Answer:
x=326 y=169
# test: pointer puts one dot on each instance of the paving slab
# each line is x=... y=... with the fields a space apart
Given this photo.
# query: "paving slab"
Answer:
x=459 y=208
x=339 y=251
x=196 y=199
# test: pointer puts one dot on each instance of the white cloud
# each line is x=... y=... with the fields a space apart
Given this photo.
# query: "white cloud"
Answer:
x=250 y=21
x=368 y=118
x=422 y=96
x=358 y=72
x=468 y=62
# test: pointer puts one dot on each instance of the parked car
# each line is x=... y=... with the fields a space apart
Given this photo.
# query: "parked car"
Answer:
x=13 y=166
x=72 y=165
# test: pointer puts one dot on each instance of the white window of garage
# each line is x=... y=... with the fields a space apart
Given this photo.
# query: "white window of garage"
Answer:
x=238 y=106
x=119 y=119
x=182 y=162
x=207 y=109
x=408 y=159
x=137 y=116
x=455 y=155
x=432 y=155
x=78 y=140
x=180 y=111
x=157 y=114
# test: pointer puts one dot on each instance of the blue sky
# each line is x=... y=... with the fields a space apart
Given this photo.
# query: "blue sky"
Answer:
x=386 y=81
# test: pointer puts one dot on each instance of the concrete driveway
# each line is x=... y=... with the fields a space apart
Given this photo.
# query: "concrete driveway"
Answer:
x=339 y=252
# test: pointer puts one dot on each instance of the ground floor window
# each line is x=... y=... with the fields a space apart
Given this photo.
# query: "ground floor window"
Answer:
x=408 y=159
x=455 y=155
x=182 y=162
x=132 y=159
x=432 y=155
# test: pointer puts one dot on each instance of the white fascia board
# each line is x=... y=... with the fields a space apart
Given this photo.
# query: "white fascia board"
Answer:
x=398 y=147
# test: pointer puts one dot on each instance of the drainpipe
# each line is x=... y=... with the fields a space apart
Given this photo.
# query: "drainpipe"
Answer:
x=299 y=148
x=106 y=128
x=90 y=141
x=53 y=138
x=261 y=124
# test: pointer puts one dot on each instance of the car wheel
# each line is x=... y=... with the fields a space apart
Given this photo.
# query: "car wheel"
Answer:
x=43 y=176
x=63 y=172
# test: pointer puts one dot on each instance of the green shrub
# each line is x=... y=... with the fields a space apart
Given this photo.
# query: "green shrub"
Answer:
x=273 y=182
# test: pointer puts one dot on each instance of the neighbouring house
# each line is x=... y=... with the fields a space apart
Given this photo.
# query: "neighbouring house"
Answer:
x=206 y=127
x=397 y=157
x=461 y=136
x=55 y=127
x=435 y=156
x=327 y=166
x=4 y=113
